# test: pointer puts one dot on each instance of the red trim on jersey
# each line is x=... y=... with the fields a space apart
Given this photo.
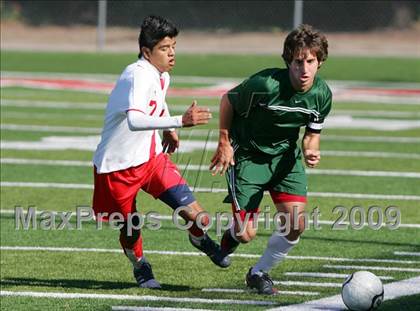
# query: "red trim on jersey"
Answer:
x=135 y=110
x=162 y=113
x=162 y=83
x=242 y=213
x=282 y=197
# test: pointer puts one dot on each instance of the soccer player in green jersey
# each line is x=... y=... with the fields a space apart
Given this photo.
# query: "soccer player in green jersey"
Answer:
x=259 y=125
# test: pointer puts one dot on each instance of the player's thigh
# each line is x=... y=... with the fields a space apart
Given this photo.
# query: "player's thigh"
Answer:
x=167 y=184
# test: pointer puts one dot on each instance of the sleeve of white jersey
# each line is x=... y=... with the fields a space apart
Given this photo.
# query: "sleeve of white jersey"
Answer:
x=140 y=92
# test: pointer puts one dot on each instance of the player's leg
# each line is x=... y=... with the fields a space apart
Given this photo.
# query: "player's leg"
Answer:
x=115 y=192
x=168 y=186
x=289 y=197
x=246 y=188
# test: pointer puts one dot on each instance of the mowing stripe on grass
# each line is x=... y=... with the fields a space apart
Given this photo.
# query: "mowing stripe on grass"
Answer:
x=132 y=297
x=372 y=268
x=218 y=190
x=328 y=275
x=370 y=154
x=169 y=217
x=194 y=167
x=407 y=253
x=308 y=284
x=391 y=291
x=235 y=290
x=132 y=308
x=178 y=253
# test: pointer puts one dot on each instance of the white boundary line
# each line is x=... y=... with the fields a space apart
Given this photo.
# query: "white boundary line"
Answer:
x=407 y=253
x=342 y=276
x=195 y=132
x=132 y=297
x=308 y=284
x=179 y=253
x=391 y=291
x=372 y=268
x=235 y=290
x=133 y=308
x=195 y=167
x=218 y=190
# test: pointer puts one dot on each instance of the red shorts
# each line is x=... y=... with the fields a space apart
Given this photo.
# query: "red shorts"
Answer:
x=116 y=192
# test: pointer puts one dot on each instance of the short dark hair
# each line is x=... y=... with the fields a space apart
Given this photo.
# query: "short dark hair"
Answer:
x=153 y=29
x=305 y=36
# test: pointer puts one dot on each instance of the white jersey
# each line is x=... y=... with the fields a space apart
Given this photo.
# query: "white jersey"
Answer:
x=141 y=87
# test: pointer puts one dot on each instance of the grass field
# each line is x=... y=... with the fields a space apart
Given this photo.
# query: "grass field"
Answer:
x=360 y=167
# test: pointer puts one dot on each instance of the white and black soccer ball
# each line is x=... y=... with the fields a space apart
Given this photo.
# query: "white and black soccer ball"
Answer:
x=362 y=291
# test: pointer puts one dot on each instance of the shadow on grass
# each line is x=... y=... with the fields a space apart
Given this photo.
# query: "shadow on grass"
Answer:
x=83 y=284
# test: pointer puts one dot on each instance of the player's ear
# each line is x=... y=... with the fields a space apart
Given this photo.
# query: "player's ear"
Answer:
x=146 y=52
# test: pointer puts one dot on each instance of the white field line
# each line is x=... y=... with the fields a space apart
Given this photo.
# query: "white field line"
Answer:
x=377 y=113
x=370 y=154
x=194 y=167
x=342 y=276
x=51 y=104
x=407 y=253
x=133 y=297
x=169 y=217
x=132 y=308
x=235 y=290
x=218 y=190
x=392 y=290
x=308 y=284
x=55 y=115
x=48 y=128
x=178 y=253
x=372 y=268
x=213 y=132
x=195 y=132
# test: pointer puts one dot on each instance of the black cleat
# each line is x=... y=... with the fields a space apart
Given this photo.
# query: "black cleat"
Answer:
x=144 y=276
x=212 y=250
x=262 y=283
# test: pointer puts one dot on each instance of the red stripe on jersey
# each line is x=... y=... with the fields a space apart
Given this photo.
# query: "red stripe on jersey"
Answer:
x=162 y=83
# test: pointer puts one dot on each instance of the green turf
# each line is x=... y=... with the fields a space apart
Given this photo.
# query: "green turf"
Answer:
x=185 y=276
x=336 y=68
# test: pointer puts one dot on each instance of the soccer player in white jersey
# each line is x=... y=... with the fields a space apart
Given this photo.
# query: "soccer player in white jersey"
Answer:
x=130 y=156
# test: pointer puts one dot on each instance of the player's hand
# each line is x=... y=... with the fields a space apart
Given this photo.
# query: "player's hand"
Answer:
x=170 y=141
x=196 y=115
x=222 y=159
x=312 y=157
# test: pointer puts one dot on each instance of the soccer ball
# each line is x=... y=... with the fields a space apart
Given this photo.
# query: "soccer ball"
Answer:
x=362 y=291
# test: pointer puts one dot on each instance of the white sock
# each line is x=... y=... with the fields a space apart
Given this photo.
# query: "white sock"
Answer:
x=277 y=248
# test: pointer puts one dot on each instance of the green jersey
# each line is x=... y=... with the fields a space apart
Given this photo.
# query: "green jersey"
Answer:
x=268 y=112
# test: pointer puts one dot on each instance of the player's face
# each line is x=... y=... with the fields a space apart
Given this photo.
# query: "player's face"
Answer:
x=163 y=54
x=302 y=70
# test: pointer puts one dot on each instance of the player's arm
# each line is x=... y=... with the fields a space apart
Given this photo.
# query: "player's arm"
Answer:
x=139 y=121
x=223 y=156
x=311 y=148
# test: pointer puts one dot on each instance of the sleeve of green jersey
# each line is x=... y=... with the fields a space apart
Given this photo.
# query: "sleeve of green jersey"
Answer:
x=316 y=122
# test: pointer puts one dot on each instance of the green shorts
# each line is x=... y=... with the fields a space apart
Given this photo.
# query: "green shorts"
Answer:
x=253 y=174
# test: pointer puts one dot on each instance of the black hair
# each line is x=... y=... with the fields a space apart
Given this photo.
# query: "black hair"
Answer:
x=153 y=29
